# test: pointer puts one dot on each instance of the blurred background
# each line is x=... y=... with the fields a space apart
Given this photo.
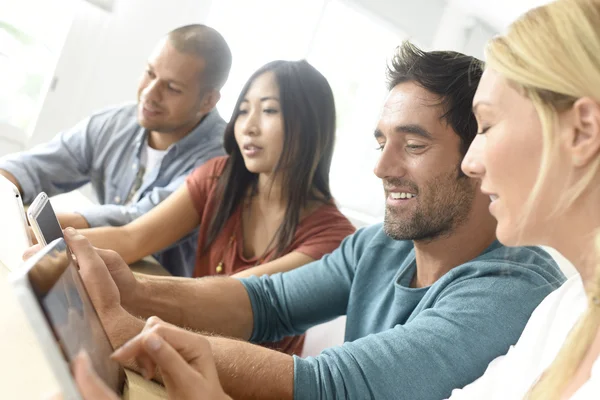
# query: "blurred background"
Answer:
x=60 y=60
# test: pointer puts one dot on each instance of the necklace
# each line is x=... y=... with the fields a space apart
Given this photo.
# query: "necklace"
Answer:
x=220 y=266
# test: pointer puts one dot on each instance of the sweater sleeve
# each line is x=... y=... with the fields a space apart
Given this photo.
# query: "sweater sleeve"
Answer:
x=285 y=304
x=443 y=347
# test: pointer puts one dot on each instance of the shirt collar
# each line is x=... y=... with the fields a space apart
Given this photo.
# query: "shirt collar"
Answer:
x=203 y=132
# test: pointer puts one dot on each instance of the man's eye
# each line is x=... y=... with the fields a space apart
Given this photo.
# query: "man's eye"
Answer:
x=415 y=146
x=380 y=147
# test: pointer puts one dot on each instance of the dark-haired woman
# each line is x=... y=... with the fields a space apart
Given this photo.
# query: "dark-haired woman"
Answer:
x=264 y=208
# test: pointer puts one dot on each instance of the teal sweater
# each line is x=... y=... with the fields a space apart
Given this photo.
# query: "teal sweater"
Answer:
x=401 y=343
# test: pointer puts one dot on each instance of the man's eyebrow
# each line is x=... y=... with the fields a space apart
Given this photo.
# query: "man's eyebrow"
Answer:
x=414 y=129
x=378 y=134
x=176 y=82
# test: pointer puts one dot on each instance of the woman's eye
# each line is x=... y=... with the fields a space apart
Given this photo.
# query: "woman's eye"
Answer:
x=484 y=130
x=271 y=111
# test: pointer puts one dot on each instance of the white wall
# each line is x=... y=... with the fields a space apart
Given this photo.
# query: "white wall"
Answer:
x=104 y=55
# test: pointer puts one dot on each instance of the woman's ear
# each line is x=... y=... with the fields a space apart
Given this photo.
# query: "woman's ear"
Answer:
x=584 y=141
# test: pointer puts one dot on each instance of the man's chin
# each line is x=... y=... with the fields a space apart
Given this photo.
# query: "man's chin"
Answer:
x=152 y=127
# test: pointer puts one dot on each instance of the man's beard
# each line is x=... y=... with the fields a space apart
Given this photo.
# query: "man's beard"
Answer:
x=442 y=206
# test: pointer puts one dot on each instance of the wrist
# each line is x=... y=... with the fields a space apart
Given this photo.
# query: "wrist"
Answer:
x=136 y=295
x=121 y=326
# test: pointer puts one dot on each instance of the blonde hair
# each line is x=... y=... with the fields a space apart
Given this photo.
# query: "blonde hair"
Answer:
x=552 y=55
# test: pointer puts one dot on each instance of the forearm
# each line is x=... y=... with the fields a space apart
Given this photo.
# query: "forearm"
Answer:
x=248 y=371
x=72 y=220
x=218 y=305
x=114 y=238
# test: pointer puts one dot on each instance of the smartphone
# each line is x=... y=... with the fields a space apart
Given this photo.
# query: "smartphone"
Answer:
x=62 y=315
x=43 y=221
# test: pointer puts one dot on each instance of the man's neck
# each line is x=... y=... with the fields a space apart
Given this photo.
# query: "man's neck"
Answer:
x=436 y=257
x=162 y=140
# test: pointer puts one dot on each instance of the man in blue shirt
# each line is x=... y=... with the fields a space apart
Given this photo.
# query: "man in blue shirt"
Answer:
x=430 y=295
x=136 y=155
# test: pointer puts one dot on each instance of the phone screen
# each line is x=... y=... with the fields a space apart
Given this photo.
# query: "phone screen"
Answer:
x=48 y=223
x=69 y=311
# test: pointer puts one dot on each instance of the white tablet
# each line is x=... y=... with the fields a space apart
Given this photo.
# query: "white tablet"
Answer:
x=14 y=232
x=63 y=317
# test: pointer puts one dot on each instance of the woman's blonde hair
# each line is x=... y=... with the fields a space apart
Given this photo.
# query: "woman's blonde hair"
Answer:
x=552 y=55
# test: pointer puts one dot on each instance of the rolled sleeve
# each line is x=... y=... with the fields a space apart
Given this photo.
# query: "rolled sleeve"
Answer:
x=118 y=215
x=59 y=166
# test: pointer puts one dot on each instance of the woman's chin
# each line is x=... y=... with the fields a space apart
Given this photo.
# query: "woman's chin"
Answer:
x=256 y=167
x=513 y=237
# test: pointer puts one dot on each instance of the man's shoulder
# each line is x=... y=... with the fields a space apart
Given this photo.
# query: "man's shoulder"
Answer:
x=126 y=111
x=531 y=262
x=115 y=121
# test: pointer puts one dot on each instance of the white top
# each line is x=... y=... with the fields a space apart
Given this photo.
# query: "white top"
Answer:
x=512 y=375
x=149 y=160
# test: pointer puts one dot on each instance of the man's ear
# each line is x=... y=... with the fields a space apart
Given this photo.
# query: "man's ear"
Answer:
x=584 y=140
x=209 y=101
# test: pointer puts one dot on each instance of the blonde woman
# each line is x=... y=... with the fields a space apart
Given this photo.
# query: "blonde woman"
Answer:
x=538 y=157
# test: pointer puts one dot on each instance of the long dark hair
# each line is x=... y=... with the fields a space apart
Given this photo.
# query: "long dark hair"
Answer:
x=308 y=112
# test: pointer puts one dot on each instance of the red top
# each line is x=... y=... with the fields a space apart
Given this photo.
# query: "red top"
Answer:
x=317 y=234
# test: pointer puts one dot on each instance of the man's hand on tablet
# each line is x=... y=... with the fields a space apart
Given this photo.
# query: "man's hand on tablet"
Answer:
x=183 y=359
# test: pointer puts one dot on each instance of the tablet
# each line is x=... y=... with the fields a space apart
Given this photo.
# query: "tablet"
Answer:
x=55 y=301
x=14 y=232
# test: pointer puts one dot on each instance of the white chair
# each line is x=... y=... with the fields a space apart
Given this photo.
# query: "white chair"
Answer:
x=322 y=336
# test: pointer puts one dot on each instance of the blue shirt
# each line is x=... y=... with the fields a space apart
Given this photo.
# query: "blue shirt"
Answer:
x=401 y=342
x=105 y=150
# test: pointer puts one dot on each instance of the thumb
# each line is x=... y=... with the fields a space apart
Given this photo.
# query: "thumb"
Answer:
x=167 y=359
x=81 y=247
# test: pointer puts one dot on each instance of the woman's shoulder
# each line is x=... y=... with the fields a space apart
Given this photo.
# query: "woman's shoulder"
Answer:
x=213 y=168
x=554 y=317
x=325 y=214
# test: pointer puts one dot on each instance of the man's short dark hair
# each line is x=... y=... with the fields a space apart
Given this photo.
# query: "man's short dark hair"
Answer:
x=452 y=76
x=205 y=42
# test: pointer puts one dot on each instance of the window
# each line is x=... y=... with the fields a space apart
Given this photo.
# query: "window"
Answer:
x=351 y=49
x=348 y=46
x=261 y=31
x=32 y=33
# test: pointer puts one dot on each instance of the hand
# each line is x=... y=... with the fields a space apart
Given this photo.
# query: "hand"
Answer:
x=94 y=272
x=91 y=387
x=184 y=360
x=72 y=220
x=119 y=271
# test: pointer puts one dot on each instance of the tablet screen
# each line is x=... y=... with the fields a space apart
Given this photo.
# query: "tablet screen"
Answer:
x=56 y=282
